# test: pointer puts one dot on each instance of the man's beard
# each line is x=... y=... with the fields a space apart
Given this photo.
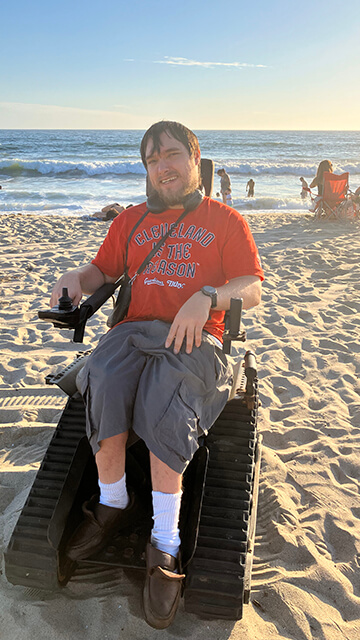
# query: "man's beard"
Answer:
x=177 y=197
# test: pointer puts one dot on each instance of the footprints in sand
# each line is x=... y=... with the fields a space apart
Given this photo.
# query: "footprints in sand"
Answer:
x=306 y=336
x=36 y=405
x=31 y=349
x=305 y=542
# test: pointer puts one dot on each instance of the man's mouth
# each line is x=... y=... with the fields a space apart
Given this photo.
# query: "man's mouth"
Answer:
x=167 y=180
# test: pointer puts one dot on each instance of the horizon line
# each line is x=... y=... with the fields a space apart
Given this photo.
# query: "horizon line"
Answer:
x=145 y=128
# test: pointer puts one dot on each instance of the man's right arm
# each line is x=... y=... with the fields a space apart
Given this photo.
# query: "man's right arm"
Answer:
x=86 y=279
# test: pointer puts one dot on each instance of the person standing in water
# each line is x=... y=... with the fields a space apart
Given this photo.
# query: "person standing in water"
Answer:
x=225 y=185
x=304 y=189
x=250 y=188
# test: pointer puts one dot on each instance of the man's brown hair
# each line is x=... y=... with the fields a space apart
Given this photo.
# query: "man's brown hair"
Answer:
x=176 y=130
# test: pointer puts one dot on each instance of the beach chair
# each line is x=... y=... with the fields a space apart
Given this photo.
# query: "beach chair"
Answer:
x=334 y=204
x=220 y=490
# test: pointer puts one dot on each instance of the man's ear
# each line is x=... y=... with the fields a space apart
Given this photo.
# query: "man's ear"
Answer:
x=197 y=156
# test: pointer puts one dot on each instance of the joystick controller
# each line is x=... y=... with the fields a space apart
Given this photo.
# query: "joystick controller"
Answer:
x=64 y=315
x=65 y=302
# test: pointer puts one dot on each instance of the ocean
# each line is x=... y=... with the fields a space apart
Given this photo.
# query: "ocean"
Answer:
x=78 y=172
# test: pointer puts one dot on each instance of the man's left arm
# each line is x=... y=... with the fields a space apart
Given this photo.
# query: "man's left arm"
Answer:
x=192 y=316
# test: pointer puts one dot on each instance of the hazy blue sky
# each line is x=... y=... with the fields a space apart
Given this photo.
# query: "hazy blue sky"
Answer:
x=224 y=65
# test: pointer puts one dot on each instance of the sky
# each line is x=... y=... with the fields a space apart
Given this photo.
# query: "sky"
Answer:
x=111 y=64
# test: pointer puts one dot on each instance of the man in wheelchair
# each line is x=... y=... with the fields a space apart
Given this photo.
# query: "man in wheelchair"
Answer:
x=160 y=370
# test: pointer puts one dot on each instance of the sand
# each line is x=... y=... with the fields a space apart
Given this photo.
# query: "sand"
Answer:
x=306 y=574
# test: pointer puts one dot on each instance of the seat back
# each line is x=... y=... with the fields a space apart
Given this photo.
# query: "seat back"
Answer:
x=207 y=175
x=335 y=188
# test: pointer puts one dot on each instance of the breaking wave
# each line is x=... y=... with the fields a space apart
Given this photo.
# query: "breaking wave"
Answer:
x=280 y=169
x=269 y=203
x=69 y=169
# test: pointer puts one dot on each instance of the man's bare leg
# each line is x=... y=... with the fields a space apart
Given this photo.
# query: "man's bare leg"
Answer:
x=166 y=485
x=105 y=516
x=110 y=461
x=163 y=478
x=166 y=495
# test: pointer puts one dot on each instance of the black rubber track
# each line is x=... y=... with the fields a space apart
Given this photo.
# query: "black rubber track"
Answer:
x=215 y=576
x=31 y=557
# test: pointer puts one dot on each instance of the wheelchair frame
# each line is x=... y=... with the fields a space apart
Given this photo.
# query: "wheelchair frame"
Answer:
x=218 y=512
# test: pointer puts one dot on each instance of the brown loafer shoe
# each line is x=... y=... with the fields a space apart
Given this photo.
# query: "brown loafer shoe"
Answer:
x=162 y=589
x=99 y=525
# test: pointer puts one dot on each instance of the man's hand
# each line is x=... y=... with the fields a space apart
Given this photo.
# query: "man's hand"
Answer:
x=87 y=279
x=189 y=322
x=71 y=280
x=192 y=316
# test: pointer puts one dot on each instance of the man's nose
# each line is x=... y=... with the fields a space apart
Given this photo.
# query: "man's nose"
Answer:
x=163 y=164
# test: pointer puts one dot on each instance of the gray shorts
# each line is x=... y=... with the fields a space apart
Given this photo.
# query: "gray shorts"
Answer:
x=131 y=381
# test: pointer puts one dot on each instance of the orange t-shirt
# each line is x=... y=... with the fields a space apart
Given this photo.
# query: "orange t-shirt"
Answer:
x=212 y=245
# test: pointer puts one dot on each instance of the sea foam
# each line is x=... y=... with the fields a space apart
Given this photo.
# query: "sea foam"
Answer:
x=277 y=168
x=51 y=168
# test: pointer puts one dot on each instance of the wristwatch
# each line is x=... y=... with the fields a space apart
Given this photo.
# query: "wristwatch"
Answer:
x=212 y=293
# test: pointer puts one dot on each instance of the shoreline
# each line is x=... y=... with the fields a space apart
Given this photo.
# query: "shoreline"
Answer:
x=87 y=217
x=306 y=577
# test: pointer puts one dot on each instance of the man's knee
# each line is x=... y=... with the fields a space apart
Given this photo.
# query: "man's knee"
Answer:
x=114 y=444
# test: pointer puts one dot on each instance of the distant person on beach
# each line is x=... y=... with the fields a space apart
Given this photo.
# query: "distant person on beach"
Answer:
x=356 y=196
x=225 y=184
x=250 y=188
x=325 y=165
x=160 y=370
x=304 y=189
x=228 y=197
x=316 y=206
x=108 y=213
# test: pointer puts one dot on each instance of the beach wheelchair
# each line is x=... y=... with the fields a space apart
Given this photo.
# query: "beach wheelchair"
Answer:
x=220 y=490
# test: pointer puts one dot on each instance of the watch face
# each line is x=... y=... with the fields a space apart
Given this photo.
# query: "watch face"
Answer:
x=209 y=290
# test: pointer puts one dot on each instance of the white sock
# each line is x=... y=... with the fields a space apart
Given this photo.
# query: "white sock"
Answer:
x=165 y=534
x=114 y=494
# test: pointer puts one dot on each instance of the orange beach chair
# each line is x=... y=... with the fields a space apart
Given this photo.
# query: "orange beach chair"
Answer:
x=334 y=203
x=334 y=193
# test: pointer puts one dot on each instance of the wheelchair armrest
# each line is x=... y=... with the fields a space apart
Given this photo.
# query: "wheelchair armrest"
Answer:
x=97 y=299
x=90 y=306
x=232 y=325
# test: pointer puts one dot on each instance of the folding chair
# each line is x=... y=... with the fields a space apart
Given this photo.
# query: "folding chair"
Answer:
x=335 y=189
